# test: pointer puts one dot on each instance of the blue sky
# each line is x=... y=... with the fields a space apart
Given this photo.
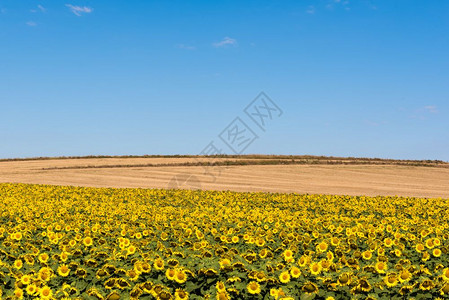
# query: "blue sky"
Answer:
x=353 y=78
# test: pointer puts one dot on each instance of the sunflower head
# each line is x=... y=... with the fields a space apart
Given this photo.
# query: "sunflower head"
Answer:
x=315 y=268
x=426 y=285
x=63 y=270
x=335 y=241
x=288 y=254
x=436 y=252
x=295 y=272
x=43 y=257
x=81 y=272
x=419 y=248
x=303 y=261
x=131 y=250
x=381 y=267
x=322 y=247
x=45 y=292
x=159 y=264
x=87 y=241
x=18 y=293
x=364 y=285
x=309 y=288
x=25 y=279
x=18 y=264
x=113 y=296
x=391 y=279
x=253 y=288
x=284 y=277
x=180 y=276
x=170 y=274
x=405 y=275
x=32 y=290
x=367 y=255
x=344 y=279
x=220 y=286
x=388 y=242
x=110 y=283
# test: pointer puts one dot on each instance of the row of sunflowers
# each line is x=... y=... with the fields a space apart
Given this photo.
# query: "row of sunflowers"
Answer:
x=101 y=243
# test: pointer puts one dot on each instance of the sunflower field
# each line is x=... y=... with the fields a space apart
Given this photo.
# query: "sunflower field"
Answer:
x=101 y=243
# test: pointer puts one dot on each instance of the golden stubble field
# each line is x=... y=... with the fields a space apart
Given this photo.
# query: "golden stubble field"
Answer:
x=352 y=179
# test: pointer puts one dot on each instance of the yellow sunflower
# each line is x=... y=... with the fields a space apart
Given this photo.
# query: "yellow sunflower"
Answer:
x=25 y=279
x=43 y=257
x=18 y=293
x=159 y=264
x=381 y=267
x=32 y=290
x=295 y=272
x=180 y=276
x=45 y=292
x=303 y=261
x=405 y=275
x=335 y=241
x=429 y=243
x=181 y=294
x=315 y=268
x=288 y=255
x=220 y=286
x=367 y=255
x=391 y=279
x=436 y=252
x=344 y=279
x=63 y=270
x=426 y=285
x=18 y=264
x=322 y=247
x=253 y=288
x=284 y=277
x=170 y=274
x=388 y=242
x=88 y=241
x=309 y=288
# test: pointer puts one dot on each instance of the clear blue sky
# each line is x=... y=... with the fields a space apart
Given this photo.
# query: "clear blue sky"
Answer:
x=353 y=78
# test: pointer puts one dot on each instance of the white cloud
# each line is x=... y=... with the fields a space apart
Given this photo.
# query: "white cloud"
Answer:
x=431 y=109
x=310 y=10
x=40 y=7
x=338 y=3
x=186 y=47
x=79 y=10
x=423 y=112
x=227 y=41
x=31 y=23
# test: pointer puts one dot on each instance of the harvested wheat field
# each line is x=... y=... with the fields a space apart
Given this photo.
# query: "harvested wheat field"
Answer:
x=286 y=174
